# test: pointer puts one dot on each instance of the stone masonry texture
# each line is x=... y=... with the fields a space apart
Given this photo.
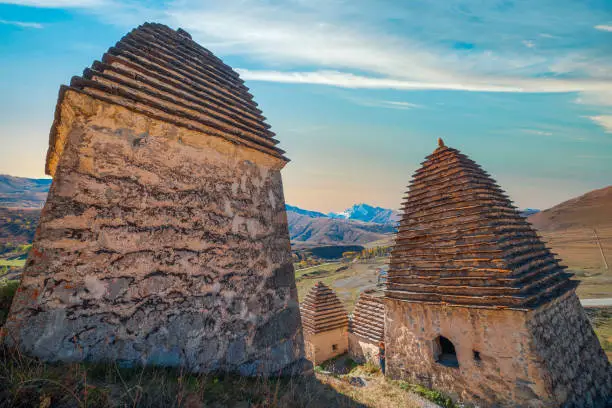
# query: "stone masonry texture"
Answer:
x=325 y=323
x=164 y=238
x=468 y=271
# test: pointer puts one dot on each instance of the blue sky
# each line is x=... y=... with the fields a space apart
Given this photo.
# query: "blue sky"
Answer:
x=358 y=91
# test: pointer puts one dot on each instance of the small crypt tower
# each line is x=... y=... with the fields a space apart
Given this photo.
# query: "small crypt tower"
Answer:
x=477 y=306
x=367 y=326
x=325 y=324
x=164 y=238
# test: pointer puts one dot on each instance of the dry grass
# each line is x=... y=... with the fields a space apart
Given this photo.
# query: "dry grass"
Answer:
x=378 y=393
x=28 y=382
x=578 y=249
x=601 y=319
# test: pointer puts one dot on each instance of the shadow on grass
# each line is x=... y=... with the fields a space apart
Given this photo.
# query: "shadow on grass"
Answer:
x=28 y=382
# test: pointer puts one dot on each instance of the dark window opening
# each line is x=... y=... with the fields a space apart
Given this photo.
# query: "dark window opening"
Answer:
x=334 y=347
x=445 y=353
x=476 y=356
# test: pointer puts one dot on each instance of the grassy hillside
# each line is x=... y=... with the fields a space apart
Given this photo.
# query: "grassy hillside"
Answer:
x=334 y=231
x=569 y=229
x=590 y=210
x=20 y=192
x=18 y=225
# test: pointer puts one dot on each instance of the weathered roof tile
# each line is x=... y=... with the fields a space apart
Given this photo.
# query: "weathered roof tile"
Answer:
x=368 y=319
x=322 y=311
x=166 y=75
x=461 y=241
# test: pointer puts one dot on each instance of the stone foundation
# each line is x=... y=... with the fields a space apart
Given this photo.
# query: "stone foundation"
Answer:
x=362 y=350
x=158 y=245
x=326 y=345
x=547 y=357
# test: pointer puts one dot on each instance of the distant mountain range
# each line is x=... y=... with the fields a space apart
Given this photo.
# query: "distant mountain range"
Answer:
x=304 y=229
x=358 y=212
x=21 y=192
x=359 y=224
x=529 y=211
x=300 y=211
x=368 y=213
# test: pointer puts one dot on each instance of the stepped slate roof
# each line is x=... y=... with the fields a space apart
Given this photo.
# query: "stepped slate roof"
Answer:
x=165 y=75
x=461 y=241
x=368 y=318
x=322 y=310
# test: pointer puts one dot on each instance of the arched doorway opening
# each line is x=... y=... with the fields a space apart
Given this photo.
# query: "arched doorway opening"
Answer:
x=444 y=352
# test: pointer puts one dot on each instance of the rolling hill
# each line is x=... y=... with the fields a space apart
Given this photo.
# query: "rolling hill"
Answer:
x=367 y=213
x=570 y=229
x=330 y=231
x=21 y=192
x=590 y=210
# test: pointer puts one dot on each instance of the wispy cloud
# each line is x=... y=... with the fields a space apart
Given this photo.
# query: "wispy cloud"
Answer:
x=376 y=103
x=537 y=132
x=401 y=105
x=528 y=43
x=357 y=53
x=55 y=3
x=22 y=24
x=485 y=84
x=604 y=27
x=601 y=98
x=337 y=43
x=605 y=121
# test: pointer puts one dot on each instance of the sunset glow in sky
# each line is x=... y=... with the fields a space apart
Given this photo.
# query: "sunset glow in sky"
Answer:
x=358 y=91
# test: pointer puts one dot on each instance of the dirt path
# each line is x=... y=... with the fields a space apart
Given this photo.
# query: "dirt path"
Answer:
x=602 y=302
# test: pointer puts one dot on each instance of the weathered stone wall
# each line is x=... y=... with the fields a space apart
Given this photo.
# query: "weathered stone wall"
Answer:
x=159 y=245
x=547 y=357
x=320 y=346
x=579 y=371
x=507 y=373
x=362 y=349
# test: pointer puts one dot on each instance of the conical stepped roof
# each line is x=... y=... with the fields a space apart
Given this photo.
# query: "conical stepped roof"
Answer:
x=322 y=310
x=461 y=241
x=165 y=75
x=368 y=320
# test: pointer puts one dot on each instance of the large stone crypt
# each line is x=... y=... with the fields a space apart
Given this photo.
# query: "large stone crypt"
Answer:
x=164 y=238
x=477 y=306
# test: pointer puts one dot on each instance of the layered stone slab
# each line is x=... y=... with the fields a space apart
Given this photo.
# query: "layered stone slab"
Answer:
x=164 y=238
x=477 y=306
x=461 y=241
x=367 y=326
x=325 y=323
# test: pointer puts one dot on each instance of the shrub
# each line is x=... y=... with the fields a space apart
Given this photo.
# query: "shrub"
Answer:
x=432 y=395
x=7 y=291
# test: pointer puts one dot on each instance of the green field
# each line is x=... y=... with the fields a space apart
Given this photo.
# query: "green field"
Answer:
x=347 y=279
x=16 y=263
x=601 y=319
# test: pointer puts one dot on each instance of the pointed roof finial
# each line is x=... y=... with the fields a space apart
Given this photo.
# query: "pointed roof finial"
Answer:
x=440 y=142
x=183 y=33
